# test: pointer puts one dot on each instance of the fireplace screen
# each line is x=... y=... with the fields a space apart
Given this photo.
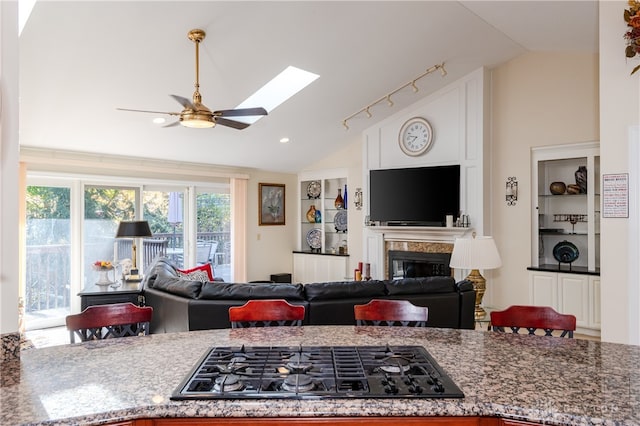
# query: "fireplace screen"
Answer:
x=409 y=264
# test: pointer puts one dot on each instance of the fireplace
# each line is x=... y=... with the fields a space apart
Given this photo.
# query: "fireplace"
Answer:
x=410 y=264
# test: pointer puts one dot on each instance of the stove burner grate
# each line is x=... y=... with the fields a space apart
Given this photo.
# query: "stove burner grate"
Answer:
x=317 y=372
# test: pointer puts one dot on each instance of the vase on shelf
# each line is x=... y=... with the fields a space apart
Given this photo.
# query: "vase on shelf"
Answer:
x=318 y=218
x=311 y=214
x=344 y=197
x=339 y=202
x=581 y=179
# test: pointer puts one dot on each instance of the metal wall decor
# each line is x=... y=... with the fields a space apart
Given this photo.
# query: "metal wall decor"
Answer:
x=511 y=191
x=357 y=199
x=571 y=218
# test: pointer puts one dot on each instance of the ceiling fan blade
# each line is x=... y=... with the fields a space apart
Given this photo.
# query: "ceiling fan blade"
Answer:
x=173 y=124
x=240 y=112
x=231 y=123
x=186 y=103
x=152 y=112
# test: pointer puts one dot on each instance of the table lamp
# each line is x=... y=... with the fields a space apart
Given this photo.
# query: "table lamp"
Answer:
x=476 y=253
x=133 y=229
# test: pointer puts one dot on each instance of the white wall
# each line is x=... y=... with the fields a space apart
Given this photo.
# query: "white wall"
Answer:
x=269 y=248
x=9 y=175
x=538 y=99
x=619 y=116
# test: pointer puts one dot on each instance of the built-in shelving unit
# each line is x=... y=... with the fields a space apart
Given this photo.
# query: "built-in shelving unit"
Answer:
x=574 y=218
x=323 y=243
x=570 y=218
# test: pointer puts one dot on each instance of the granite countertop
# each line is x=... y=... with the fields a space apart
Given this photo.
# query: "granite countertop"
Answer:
x=551 y=380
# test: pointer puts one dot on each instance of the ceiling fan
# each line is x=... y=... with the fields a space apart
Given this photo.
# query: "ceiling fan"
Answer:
x=195 y=114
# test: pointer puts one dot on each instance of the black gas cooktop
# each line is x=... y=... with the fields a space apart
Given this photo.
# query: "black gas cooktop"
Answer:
x=260 y=372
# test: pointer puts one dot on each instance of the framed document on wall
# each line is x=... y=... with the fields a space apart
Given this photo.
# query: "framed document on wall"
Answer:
x=615 y=195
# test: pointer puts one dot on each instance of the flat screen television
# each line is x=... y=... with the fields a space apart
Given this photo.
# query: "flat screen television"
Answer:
x=418 y=196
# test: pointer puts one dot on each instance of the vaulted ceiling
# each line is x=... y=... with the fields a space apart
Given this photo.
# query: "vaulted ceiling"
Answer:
x=80 y=60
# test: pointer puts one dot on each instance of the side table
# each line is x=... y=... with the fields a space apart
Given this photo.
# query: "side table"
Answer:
x=103 y=295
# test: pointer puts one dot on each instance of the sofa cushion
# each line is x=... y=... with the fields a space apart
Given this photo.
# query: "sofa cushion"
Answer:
x=161 y=266
x=178 y=286
x=344 y=290
x=232 y=291
x=422 y=285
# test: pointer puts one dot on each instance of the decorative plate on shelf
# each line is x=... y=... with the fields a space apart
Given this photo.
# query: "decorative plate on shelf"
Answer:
x=340 y=220
x=313 y=189
x=565 y=252
x=314 y=238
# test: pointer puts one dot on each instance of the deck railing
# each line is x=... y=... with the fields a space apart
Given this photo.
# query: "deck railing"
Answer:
x=48 y=270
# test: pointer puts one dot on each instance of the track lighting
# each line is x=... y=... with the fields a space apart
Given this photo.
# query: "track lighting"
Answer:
x=387 y=97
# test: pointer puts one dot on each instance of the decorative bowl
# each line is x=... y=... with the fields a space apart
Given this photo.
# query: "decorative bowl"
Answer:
x=557 y=188
x=565 y=252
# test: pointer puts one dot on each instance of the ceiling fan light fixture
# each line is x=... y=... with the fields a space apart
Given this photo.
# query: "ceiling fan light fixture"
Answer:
x=198 y=123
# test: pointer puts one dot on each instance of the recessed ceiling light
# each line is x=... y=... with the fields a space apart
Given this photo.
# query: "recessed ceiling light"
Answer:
x=284 y=140
x=279 y=89
x=159 y=120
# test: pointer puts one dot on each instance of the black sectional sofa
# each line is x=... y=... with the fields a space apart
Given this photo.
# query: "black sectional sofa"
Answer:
x=183 y=305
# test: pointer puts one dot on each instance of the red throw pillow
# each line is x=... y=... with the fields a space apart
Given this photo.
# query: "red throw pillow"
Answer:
x=195 y=272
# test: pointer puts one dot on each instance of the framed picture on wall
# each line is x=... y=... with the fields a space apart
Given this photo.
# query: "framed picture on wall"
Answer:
x=271 y=204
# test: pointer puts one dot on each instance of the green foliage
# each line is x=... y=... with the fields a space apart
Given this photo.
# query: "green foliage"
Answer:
x=45 y=202
x=213 y=209
x=109 y=203
x=214 y=212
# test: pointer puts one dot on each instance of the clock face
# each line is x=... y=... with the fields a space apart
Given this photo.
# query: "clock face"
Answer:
x=415 y=136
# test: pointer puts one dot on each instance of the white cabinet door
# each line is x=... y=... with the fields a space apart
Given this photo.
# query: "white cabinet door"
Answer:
x=574 y=297
x=594 y=300
x=543 y=289
x=310 y=268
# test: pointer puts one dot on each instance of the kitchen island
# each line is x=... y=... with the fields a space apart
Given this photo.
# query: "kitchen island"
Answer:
x=537 y=379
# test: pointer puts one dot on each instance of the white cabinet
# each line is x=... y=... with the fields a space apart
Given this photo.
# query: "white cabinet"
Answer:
x=323 y=231
x=573 y=297
x=543 y=289
x=309 y=268
x=567 y=293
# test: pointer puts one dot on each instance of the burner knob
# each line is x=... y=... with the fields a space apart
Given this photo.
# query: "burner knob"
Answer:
x=391 y=389
x=417 y=389
x=388 y=381
x=438 y=387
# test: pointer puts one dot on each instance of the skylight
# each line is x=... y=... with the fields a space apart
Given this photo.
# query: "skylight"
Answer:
x=279 y=89
x=24 y=11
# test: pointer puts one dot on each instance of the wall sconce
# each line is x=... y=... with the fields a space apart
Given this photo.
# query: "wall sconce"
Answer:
x=511 y=191
x=357 y=199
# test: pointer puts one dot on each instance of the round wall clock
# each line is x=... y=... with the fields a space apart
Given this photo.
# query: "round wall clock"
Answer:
x=416 y=136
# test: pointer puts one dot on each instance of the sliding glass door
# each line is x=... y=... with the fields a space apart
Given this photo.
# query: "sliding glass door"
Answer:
x=71 y=224
x=104 y=208
x=47 y=291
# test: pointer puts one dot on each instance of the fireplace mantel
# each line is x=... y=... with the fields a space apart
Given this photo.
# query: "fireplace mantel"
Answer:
x=419 y=233
x=380 y=239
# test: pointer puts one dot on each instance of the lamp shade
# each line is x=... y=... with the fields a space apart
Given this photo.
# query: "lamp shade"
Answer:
x=475 y=253
x=133 y=229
